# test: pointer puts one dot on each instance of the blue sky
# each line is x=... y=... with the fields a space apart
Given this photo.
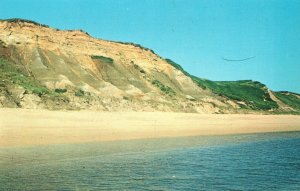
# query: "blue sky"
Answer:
x=194 y=33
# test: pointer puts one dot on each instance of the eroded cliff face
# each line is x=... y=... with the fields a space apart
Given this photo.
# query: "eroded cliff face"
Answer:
x=55 y=69
x=97 y=74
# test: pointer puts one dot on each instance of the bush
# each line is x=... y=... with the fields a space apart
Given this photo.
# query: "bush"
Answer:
x=40 y=91
x=136 y=45
x=137 y=67
x=79 y=93
x=103 y=59
x=60 y=90
x=165 y=89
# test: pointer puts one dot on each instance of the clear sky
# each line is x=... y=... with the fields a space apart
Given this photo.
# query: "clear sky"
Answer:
x=197 y=34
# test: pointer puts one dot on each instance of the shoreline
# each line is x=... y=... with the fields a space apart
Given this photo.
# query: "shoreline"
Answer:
x=31 y=127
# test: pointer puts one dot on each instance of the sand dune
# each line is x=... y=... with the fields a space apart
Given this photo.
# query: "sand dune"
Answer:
x=20 y=127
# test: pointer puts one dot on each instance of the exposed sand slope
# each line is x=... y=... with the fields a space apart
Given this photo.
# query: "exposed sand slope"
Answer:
x=34 y=127
x=72 y=60
x=47 y=68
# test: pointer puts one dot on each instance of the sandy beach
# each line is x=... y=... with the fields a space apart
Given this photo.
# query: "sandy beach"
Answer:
x=20 y=127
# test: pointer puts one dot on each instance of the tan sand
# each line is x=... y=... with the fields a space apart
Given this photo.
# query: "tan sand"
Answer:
x=19 y=127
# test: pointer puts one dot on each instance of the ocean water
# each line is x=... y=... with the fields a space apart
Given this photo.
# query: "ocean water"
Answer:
x=267 y=161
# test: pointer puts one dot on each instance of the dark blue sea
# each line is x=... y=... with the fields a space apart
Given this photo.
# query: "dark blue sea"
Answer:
x=265 y=161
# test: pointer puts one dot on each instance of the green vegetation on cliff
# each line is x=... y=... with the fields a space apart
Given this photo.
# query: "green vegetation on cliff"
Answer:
x=12 y=74
x=290 y=99
x=254 y=94
x=165 y=89
x=250 y=94
x=103 y=59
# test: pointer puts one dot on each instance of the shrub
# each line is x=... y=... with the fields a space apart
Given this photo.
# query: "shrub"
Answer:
x=137 y=67
x=40 y=91
x=60 y=90
x=103 y=59
x=125 y=98
x=79 y=93
x=165 y=89
x=136 y=45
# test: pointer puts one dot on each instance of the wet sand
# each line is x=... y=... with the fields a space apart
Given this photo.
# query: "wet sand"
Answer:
x=20 y=127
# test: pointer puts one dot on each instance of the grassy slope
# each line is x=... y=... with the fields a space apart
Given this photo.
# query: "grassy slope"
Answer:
x=12 y=74
x=254 y=94
x=15 y=75
x=289 y=99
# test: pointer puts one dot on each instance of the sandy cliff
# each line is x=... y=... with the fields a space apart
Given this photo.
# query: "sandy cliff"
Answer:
x=72 y=70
